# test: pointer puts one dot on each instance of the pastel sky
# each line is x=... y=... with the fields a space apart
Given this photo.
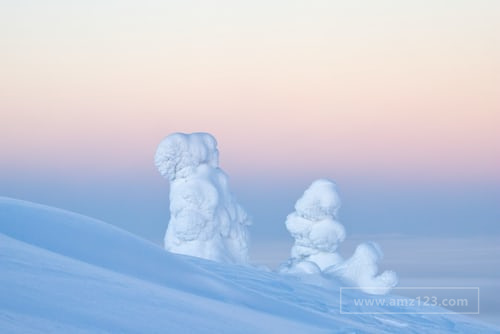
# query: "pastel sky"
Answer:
x=397 y=101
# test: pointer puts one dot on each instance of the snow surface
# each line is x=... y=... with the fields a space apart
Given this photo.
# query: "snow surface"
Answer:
x=317 y=235
x=205 y=219
x=61 y=272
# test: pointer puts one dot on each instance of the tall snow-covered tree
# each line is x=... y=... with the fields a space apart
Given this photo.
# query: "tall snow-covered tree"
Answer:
x=205 y=219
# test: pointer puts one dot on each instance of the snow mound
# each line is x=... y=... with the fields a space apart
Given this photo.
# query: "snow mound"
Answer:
x=317 y=236
x=96 y=243
x=61 y=272
x=206 y=221
x=361 y=270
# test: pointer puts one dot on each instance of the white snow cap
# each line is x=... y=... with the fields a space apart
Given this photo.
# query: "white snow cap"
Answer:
x=179 y=153
x=361 y=270
x=319 y=201
x=205 y=219
x=317 y=234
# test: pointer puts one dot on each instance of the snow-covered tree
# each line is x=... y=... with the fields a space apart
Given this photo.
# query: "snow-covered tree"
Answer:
x=205 y=219
x=317 y=235
x=314 y=227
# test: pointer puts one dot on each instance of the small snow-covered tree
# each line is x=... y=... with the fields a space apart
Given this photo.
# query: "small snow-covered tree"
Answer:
x=314 y=227
x=317 y=235
x=205 y=219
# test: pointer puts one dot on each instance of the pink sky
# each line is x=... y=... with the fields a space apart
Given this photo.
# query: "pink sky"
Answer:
x=394 y=90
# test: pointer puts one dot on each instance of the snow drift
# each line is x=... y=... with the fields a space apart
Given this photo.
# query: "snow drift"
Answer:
x=205 y=219
x=62 y=272
x=317 y=235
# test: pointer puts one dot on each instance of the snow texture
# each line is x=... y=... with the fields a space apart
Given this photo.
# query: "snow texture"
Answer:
x=205 y=219
x=317 y=236
x=62 y=272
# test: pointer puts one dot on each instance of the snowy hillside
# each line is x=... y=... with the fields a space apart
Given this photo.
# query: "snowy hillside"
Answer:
x=61 y=272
